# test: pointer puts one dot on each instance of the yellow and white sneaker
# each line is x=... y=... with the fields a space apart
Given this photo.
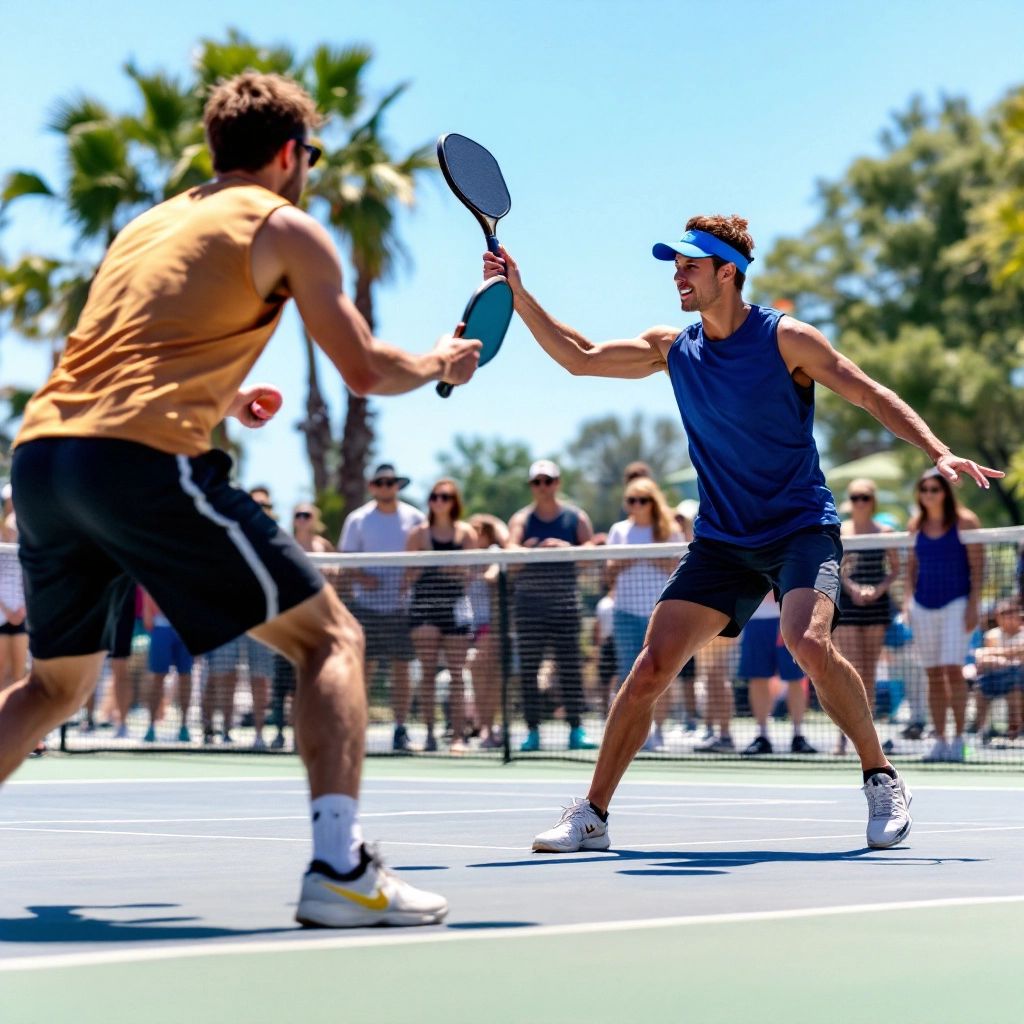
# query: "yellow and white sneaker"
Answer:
x=371 y=895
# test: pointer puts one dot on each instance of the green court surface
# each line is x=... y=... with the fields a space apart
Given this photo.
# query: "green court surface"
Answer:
x=160 y=888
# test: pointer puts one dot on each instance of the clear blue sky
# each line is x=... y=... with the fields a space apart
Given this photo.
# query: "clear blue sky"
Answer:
x=613 y=123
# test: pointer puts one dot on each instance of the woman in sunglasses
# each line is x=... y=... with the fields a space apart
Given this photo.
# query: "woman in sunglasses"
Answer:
x=308 y=529
x=440 y=612
x=865 y=605
x=638 y=582
x=944 y=576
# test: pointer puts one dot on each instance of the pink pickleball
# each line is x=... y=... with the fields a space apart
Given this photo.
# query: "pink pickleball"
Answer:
x=266 y=405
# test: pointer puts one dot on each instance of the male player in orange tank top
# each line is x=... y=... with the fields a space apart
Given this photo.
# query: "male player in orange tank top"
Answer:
x=115 y=480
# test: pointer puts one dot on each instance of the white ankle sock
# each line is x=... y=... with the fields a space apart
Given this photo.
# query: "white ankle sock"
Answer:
x=337 y=834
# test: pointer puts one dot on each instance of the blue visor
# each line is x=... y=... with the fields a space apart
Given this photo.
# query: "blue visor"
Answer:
x=699 y=245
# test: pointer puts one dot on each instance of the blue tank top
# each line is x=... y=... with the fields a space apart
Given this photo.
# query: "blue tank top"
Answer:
x=750 y=430
x=552 y=581
x=943 y=572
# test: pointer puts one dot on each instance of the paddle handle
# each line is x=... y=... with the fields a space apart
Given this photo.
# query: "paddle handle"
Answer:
x=444 y=389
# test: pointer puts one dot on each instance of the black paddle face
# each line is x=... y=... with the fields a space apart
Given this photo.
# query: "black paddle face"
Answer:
x=487 y=317
x=475 y=177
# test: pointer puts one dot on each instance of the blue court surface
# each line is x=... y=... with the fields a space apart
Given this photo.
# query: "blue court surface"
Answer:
x=162 y=889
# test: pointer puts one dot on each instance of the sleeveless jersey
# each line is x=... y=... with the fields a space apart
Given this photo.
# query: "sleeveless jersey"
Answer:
x=171 y=327
x=943 y=570
x=749 y=428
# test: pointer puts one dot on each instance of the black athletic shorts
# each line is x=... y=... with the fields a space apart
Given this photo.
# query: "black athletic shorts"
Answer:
x=97 y=515
x=125 y=628
x=734 y=580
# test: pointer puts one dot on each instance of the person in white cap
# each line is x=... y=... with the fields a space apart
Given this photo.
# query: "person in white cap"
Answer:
x=767 y=520
x=547 y=602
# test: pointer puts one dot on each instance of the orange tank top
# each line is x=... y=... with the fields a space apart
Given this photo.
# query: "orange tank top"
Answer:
x=171 y=327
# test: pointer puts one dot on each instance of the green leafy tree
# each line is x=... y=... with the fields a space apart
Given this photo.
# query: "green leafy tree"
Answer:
x=883 y=272
x=604 y=447
x=492 y=472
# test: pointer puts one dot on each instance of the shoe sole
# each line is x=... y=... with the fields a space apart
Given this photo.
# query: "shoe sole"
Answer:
x=597 y=843
x=321 y=914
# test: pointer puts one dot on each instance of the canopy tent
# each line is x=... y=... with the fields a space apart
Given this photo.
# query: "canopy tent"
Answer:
x=882 y=467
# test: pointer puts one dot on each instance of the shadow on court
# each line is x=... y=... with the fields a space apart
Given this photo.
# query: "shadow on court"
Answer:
x=720 y=862
x=67 y=923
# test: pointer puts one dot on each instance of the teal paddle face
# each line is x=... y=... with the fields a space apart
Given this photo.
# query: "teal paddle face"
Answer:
x=486 y=317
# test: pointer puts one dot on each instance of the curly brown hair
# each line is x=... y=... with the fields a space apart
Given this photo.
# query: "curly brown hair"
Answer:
x=731 y=230
x=248 y=118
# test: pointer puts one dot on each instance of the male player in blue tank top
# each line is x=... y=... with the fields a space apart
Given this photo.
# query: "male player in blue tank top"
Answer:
x=766 y=518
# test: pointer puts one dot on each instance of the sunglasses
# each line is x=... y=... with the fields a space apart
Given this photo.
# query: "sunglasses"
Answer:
x=303 y=515
x=440 y=496
x=638 y=501
x=313 y=152
x=385 y=481
x=265 y=505
x=542 y=481
x=862 y=497
x=930 y=490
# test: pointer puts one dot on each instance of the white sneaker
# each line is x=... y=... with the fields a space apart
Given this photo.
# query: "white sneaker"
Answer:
x=376 y=896
x=939 y=752
x=579 y=828
x=889 y=818
x=955 y=750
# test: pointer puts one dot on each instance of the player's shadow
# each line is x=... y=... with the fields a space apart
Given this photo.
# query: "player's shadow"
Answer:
x=70 y=923
x=676 y=863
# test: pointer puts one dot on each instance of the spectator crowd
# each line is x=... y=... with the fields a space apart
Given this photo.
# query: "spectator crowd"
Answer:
x=916 y=622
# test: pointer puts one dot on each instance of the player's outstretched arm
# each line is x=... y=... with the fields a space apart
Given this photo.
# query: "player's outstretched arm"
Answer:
x=807 y=352
x=626 y=358
x=293 y=254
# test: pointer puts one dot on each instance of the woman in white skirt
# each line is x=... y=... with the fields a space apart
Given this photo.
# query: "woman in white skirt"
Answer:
x=944 y=576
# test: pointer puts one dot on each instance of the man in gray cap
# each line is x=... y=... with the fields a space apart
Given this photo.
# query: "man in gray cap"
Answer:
x=383 y=524
x=547 y=602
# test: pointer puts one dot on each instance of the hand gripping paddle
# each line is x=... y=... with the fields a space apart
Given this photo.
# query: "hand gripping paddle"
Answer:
x=475 y=178
x=487 y=317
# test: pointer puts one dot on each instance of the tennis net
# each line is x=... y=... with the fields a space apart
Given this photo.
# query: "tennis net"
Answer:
x=518 y=653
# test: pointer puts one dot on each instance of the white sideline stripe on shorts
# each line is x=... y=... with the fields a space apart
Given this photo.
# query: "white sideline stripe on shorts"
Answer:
x=235 y=533
x=434 y=935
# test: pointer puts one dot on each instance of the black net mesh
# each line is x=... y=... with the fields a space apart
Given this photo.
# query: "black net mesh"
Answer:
x=520 y=653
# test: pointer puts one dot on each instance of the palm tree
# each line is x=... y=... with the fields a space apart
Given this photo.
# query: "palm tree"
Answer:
x=363 y=185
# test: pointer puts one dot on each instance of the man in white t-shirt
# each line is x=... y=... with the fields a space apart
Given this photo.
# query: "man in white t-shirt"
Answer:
x=377 y=599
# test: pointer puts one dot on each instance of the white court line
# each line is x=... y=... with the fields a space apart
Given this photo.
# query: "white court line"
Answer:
x=572 y=784
x=686 y=843
x=431 y=935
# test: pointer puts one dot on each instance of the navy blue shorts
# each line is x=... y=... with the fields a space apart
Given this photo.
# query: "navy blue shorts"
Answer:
x=1001 y=681
x=734 y=580
x=98 y=515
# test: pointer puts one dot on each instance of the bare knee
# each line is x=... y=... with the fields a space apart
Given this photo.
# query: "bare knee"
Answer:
x=813 y=653
x=649 y=678
x=65 y=696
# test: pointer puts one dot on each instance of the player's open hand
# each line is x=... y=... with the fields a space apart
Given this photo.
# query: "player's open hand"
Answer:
x=951 y=466
x=256 y=405
x=459 y=355
x=503 y=265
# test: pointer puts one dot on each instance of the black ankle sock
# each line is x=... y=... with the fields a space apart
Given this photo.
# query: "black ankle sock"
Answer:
x=887 y=770
x=603 y=815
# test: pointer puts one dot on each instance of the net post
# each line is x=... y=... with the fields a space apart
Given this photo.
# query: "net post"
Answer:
x=506 y=661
